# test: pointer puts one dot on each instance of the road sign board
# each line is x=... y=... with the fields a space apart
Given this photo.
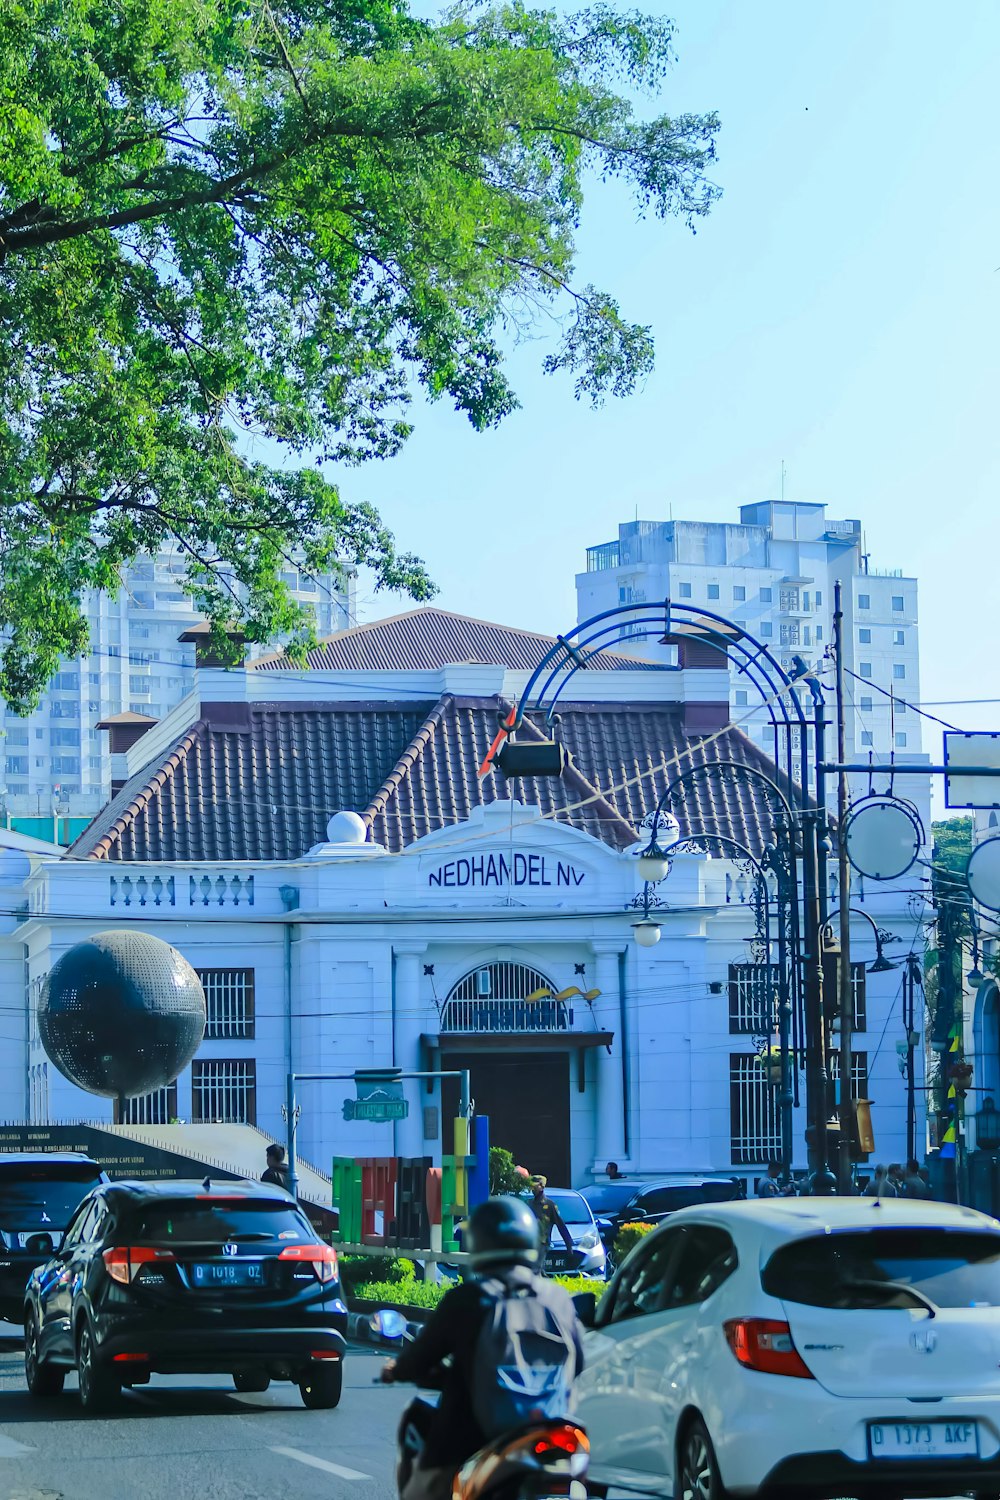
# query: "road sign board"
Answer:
x=977 y=749
x=376 y=1111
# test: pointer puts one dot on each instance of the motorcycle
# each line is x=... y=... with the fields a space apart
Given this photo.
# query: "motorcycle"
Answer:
x=540 y=1460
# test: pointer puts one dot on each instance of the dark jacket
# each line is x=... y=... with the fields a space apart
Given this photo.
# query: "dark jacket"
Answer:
x=276 y=1176
x=453 y=1329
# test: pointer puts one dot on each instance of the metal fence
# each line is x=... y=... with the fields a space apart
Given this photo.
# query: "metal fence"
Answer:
x=229 y=999
x=224 y=1091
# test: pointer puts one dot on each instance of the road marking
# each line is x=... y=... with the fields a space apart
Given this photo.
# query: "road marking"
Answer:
x=11 y=1448
x=320 y=1463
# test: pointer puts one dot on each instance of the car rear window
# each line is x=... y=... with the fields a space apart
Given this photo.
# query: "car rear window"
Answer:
x=667 y=1200
x=212 y=1221
x=46 y=1192
x=608 y=1198
x=856 y=1270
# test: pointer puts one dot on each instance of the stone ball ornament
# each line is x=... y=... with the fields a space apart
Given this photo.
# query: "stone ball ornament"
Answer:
x=121 y=1014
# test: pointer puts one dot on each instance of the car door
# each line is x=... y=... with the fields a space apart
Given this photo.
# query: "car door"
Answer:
x=620 y=1414
x=55 y=1294
x=86 y=1253
x=672 y=1354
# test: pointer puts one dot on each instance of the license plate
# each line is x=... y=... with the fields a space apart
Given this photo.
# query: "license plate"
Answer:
x=228 y=1273
x=938 y=1439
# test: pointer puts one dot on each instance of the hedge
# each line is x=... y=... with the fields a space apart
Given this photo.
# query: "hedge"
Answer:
x=427 y=1294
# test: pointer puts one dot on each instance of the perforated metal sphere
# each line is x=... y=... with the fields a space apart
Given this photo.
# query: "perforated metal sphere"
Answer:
x=121 y=1014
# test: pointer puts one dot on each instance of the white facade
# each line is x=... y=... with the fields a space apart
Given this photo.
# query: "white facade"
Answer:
x=649 y=1072
x=774 y=573
x=56 y=758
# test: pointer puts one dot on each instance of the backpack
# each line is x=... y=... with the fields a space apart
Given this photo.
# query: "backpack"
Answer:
x=525 y=1357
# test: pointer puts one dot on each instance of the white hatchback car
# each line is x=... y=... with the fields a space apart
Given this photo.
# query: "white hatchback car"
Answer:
x=801 y=1347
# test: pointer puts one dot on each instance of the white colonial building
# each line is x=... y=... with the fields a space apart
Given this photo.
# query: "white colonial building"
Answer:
x=320 y=846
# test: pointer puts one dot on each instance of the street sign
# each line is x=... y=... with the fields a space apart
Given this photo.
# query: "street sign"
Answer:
x=376 y=1111
x=883 y=837
x=380 y=1097
x=975 y=749
x=983 y=874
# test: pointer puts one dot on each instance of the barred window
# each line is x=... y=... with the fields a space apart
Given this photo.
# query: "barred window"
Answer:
x=229 y=999
x=755 y=1120
x=859 y=989
x=753 y=998
x=157 y=1108
x=224 y=1091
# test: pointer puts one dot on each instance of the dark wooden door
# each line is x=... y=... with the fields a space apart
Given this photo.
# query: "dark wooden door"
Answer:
x=526 y=1095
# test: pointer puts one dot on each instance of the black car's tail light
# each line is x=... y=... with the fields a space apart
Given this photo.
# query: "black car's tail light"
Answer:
x=328 y=1354
x=124 y=1262
x=323 y=1257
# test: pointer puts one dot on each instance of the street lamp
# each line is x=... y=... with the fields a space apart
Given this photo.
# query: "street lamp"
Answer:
x=987 y=1119
x=653 y=864
x=647 y=932
x=881 y=964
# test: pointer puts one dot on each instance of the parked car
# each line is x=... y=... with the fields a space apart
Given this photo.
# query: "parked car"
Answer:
x=622 y=1202
x=588 y=1257
x=187 y=1278
x=38 y=1195
x=809 y=1347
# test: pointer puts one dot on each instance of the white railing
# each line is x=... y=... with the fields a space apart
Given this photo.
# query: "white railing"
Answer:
x=505 y=1015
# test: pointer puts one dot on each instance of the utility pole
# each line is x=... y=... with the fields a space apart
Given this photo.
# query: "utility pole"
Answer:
x=846 y=988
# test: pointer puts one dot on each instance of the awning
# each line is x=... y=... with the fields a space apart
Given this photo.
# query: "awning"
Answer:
x=515 y=1041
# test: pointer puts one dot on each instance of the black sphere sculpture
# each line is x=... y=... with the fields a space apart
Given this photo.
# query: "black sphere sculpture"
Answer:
x=121 y=1014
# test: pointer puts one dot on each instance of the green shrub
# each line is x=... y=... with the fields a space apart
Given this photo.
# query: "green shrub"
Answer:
x=404 y=1293
x=358 y=1270
x=504 y=1176
x=628 y=1237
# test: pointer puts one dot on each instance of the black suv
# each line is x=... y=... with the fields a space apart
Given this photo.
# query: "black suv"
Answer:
x=187 y=1278
x=617 y=1203
x=38 y=1195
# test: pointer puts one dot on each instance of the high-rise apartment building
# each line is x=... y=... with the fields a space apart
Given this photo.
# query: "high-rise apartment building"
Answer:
x=774 y=572
x=56 y=759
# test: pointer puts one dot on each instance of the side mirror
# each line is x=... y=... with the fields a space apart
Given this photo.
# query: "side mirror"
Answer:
x=586 y=1308
x=40 y=1245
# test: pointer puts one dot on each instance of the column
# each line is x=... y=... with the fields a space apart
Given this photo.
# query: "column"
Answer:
x=408 y=1024
x=610 y=1132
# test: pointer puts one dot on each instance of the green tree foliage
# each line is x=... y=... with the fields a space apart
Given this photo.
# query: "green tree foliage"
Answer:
x=952 y=840
x=943 y=962
x=504 y=1176
x=234 y=237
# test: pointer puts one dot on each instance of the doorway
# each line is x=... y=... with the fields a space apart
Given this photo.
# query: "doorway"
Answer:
x=526 y=1096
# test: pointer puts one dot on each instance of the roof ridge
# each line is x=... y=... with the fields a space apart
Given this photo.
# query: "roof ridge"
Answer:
x=380 y=801
x=369 y=626
x=155 y=781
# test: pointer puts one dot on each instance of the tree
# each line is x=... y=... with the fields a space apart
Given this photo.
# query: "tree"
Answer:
x=223 y=223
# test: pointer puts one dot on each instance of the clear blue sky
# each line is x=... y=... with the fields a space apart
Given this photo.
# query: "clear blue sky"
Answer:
x=838 y=310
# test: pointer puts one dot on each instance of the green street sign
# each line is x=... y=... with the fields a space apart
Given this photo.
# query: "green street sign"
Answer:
x=376 y=1111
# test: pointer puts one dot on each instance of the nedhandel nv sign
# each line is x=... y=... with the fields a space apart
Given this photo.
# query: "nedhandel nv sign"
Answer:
x=380 y=1098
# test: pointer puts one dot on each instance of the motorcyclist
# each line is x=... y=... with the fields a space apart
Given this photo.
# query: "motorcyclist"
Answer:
x=502 y=1239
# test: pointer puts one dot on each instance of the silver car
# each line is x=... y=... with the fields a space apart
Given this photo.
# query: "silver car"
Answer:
x=590 y=1258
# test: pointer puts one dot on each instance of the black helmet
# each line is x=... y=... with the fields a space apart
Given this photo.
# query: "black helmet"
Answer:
x=503 y=1231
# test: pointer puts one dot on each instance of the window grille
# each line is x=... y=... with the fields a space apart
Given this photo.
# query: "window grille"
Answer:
x=157 y=1108
x=859 y=989
x=224 y=1091
x=753 y=998
x=229 y=999
x=755 y=1120
x=494 y=997
x=859 y=1073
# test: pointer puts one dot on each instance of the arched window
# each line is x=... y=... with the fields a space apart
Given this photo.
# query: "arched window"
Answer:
x=504 y=997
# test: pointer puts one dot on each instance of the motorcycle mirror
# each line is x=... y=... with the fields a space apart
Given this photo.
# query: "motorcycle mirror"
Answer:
x=387 y=1323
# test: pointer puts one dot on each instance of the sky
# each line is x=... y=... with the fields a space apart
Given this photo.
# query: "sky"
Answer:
x=837 y=311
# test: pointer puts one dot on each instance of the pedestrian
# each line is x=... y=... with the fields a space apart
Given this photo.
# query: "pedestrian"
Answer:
x=612 y=1171
x=880 y=1185
x=275 y=1172
x=771 y=1186
x=898 y=1178
x=915 y=1185
x=548 y=1215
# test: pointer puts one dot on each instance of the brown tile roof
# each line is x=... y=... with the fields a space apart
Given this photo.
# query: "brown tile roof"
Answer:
x=429 y=638
x=262 y=784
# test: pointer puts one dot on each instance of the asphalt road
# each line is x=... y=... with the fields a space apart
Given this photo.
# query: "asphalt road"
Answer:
x=181 y=1439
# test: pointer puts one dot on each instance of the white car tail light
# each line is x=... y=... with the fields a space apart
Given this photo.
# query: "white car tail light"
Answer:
x=765 y=1345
